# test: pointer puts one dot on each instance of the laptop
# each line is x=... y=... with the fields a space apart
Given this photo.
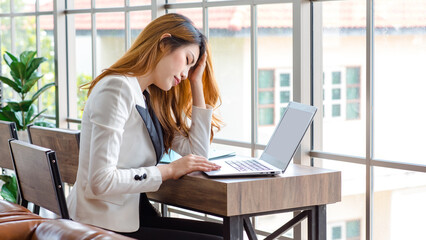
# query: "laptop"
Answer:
x=280 y=149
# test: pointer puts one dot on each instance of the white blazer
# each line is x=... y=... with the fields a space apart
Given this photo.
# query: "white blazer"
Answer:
x=114 y=147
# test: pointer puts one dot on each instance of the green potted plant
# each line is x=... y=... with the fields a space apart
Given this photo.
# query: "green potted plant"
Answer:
x=24 y=78
x=22 y=111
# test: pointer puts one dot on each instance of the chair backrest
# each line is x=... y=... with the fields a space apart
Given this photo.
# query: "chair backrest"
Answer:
x=39 y=180
x=7 y=131
x=64 y=142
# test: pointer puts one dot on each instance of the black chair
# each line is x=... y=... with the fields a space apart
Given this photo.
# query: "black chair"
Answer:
x=39 y=180
x=65 y=143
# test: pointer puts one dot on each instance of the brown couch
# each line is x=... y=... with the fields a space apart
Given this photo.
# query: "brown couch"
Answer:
x=17 y=222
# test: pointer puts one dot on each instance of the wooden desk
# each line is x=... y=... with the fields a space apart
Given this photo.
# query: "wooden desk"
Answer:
x=300 y=188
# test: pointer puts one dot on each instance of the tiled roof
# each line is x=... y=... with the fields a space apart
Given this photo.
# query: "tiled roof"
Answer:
x=347 y=14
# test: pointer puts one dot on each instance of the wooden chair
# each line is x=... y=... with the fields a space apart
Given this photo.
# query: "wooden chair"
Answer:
x=39 y=180
x=7 y=131
x=66 y=144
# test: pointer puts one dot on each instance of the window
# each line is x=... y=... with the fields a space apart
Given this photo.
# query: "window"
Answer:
x=266 y=97
x=349 y=230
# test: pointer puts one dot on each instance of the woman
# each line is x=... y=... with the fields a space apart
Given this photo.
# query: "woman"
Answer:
x=125 y=131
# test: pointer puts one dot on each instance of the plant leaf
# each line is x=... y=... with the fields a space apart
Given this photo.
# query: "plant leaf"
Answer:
x=31 y=81
x=35 y=63
x=19 y=106
x=26 y=57
x=17 y=70
x=9 y=190
x=30 y=113
x=9 y=58
x=38 y=114
x=41 y=90
x=11 y=83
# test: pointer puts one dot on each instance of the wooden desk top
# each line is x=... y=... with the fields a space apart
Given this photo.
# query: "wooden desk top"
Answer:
x=299 y=186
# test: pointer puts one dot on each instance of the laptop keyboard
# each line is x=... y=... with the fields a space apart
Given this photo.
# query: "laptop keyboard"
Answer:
x=247 y=165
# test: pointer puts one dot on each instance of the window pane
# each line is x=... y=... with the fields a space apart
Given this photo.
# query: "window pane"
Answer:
x=138 y=21
x=353 y=229
x=108 y=3
x=80 y=70
x=336 y=77
x=266 y=116
x=336 y=93
x=352 y=93
x=140 y=2
x=266 y=79
x=4 y=6
x=399 y=83
x=336 y=110
x=47 y=48
x=336 y=233
x=195 y=14
x=352 y=111
x=110 y=39
x=232 y=71
x=284 y=97
x=25 y=34
x=352 y=207
x=266 y=98
x=7 y=92
x=285 y=80
x=24 y=6
x=399 y=204
x=46 y=5
x=275 y=59
x=79 y=4
x=352 y=75
x=344 y=54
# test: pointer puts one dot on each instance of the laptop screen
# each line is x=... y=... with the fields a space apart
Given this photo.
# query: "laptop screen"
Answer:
x=288 y=134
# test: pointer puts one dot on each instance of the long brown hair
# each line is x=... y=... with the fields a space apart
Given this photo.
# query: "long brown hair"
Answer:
x=173 y=106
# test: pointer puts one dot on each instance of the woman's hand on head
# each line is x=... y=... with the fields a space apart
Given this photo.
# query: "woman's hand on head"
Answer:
x=185 y=165
x=196 y=73
x=196 y=80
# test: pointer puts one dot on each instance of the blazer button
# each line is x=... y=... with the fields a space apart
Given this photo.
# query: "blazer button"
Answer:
x=144 y=176
x=138 y=177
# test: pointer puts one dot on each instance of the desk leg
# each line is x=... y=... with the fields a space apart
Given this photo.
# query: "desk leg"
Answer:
x=317 y=223
x=233 y=228
x=321 y=222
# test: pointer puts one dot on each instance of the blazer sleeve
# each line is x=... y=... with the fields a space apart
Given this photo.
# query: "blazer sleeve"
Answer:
x=111 y=109
x=198 y=141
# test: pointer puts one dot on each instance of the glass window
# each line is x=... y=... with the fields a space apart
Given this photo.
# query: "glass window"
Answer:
x=336 y=77
x=352 y=111
x=138 y=21
x=266 y=79
x=284 y=96
x=344 y=55
x=336 y=110
x=336 y=233
x=353 y=229
x=266 y=116
x=352 y=206
x=275 y=59
x=108 y=3
x=399 y=81
x=110 y=39
x=142 y=2
x=81 y=69
x=285 y=80
x=399 y=204
x=232 y=71
x=47 y=50
x=352 y=93
x=4 y=6
x=335 y=94
x=266 y=97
